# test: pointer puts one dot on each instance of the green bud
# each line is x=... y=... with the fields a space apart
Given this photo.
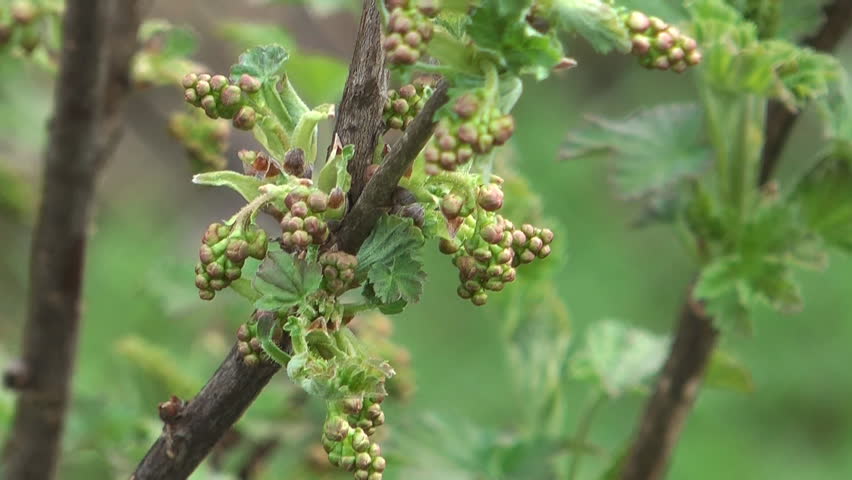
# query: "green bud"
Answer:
x=218 y=284
x=479 y=299
x=363 y=460
x=336 y=428
x=347 y=463
x=249 y=84
x=352 y=405
x=378 y=464
x=231 y=96
x=375 y=476
x=334 y=459
x=202 y=88
x=206 y=294
x=361 y=474
x=251 y=360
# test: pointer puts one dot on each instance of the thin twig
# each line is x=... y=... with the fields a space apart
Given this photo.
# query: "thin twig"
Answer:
x=98 y=41
x=359 y=222
x=695 y=338
x=780 y=120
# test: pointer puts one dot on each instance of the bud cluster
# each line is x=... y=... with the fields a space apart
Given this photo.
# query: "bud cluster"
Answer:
x=248 y=343
x=404 y=104
x=474 y=129
x=26 y=27
x=408 y=30
x=486 y=250
x=338 y=271
x=659 y=45
x=219 y=98
x=346 y=437
x=205 y=142
x=224 y=250
x=304 y=225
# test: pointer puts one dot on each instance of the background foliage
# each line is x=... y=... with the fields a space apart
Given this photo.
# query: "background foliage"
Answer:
x=146 y=336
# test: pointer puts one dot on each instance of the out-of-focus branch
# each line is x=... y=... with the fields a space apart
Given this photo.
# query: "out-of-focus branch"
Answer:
x=99 y=38
x=695 y=338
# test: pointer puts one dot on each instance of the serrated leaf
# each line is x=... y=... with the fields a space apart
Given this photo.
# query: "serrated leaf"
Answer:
x=393 y=237
x=245 y=185
x=284 y=281
x=598 y=21
x=824 y=200
x=653 y=149
x=726 y=372
x=498 y=27
x=264 y=62
x=619 y=358
x=400 y=279
x=335 y=172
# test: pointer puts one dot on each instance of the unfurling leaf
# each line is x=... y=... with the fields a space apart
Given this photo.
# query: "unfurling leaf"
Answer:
x=598 y=21
x=393 y=237
x=245 y=185
x=284 y=281
x=619 y=358
x=265 y=63
x=824 y=199
x=335 y=172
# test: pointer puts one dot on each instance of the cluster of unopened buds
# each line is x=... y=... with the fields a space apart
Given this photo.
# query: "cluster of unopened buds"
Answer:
x=486 y=250
x=338 y=271
x=404 y=104
x=475 y=128
x=219 y=98
x=660 y=45
x=248 y=341
x=304 y=225
x=224 y=250
x=27 y=26
x=408 y=30
x=346 y=437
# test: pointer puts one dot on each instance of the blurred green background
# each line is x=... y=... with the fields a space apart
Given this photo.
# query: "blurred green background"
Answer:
x=145 y=335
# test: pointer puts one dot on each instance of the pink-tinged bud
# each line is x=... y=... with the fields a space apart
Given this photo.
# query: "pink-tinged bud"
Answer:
x=468 y=133
x=675 y=33
x=447 y=142
x=336 y=198
x=249 y=84
x=663 y=41
x=202 y=282
x=394 y=4
x=463 y=293
x=413 y=39
x=299 y=209
x=528 y=230
x=243 y=333
x=546 y=235
x=215 y=270
x=505 y=256
x=407 y=91
x=378 y=464
x=641 y=44
x=661 y=63
x=218 y=82
x=404 y=55
x=688 y=43
x=206 y=294
x=318 y=201
x=191 y=96
x=218 y=283
x=535 y=244
x=509 y=275
x=392 y=42
x=237 y=251
x=566 y=63
x=464 y=154
x=245 y=118
x=204 y=77
x=202 y=88
x=638 y=21
x=544 y=252
x=401 y=106
x=676 y=54
x=206 y=255
x=448 y=161
x=189 y=80
x=23 y=12
x=490 y=198
x=231 y=96
x=680 y=66
x=527 y=256
x=425 y=30
x=466 y=105
x=658 y=24
x=694 y=57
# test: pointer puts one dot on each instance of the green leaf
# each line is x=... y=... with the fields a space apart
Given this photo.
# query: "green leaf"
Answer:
x=598 y=21
x=245 y=185
x=284 y=281
x=400 y=279
x=726 y=372
x=653 y=149
x=619 y=358
x=176 y=41
x=393 y=237
x=320 y=78
x=335 y=172
x=824 y=200
x=264 y=62
x=498 y=27
x=246 y=35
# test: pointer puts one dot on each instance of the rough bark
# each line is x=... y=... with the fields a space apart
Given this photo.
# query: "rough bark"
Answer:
x=98 y=41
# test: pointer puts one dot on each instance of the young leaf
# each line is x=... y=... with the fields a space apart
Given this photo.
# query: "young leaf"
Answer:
x=726 y=372
x=653 y=149
x=245 y=185
x=264 y=62
x=247 y=35
x=619 y=358
x=597 y=21
x=393 y=237
x=335 y=172
x=284 y=281
x=400 y=279
x=824 y=199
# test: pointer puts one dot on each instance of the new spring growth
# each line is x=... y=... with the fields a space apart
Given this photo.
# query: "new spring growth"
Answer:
x=404 y=104
x=220 y=99
x=408 y=30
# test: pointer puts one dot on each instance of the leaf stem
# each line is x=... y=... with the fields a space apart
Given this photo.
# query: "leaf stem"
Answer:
x=583 y=428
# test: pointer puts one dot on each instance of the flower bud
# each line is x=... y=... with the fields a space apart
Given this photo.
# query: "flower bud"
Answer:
x=245 y=118
x=490 y=198
x=336 y=198
x=249 y=84
x=231 y=96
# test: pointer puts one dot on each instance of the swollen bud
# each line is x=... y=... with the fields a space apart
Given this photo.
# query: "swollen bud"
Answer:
x=245 y=118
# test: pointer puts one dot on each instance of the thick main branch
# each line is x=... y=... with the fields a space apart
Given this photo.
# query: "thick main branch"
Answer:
x=98 y=41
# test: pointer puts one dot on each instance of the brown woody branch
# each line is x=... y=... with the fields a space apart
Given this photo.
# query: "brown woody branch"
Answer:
x=780 y=120
x=695 y=338
x=99 y=38
x=195 y=430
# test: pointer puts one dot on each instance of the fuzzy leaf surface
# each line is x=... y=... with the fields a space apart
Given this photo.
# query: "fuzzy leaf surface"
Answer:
x=619 y=358
x=653 y=149
x=284 y=281
x=824 y=198
x=399 y=279
x=245 y=185
x=265 y=62
x=598 y=21
x=335 y=172
x=393 y=237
